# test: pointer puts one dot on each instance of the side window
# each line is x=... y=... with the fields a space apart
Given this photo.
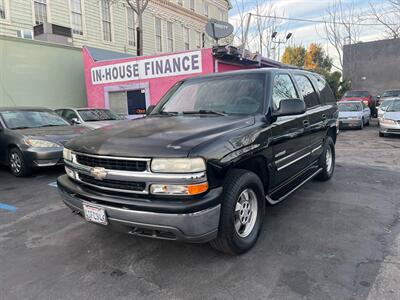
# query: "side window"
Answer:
x=283 y=88
x=324 y=89
x=307 y=90
x=69 y=115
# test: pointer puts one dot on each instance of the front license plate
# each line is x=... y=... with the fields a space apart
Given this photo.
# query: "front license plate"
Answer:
x=95 y=214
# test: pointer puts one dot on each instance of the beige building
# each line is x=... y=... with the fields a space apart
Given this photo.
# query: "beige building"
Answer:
x=168 y=25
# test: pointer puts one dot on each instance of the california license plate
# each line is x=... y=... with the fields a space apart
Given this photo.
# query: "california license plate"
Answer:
x=95 y=214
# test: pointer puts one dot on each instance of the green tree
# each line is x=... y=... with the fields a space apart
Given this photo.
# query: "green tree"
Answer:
x=295 y=56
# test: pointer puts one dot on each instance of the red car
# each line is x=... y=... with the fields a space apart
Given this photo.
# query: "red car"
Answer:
x=363 y=96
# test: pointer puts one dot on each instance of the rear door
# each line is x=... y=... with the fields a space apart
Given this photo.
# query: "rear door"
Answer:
x=316 y=113
x=290 y=142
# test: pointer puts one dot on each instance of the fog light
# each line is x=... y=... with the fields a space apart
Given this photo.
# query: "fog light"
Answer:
x=168 y=189
x=70 y=173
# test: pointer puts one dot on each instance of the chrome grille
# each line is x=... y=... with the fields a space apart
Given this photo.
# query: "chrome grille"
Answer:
x=112 y=164
x=113 y=184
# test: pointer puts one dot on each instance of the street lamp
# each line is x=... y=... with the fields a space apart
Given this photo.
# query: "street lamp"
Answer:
x=279 y=42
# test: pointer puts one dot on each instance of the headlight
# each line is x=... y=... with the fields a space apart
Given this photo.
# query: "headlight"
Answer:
x=178 y=165
x=67 y=154
x=41 y=143
x=188 y=190
x=387 y=121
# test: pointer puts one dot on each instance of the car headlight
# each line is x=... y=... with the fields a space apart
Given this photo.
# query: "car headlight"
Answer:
x=41 y=143
x=388 y=121
x=178 y=165
x=67 y=154
x=185 y=190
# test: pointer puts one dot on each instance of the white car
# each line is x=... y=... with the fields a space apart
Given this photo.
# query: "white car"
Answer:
x=92 y=118
x=353 y=114
x=382 y=108
x=390 y=121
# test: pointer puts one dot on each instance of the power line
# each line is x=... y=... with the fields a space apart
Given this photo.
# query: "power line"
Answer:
x=320 y=21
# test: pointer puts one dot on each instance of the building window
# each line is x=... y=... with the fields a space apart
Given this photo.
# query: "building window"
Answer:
x=186 y=37
x=180 y=2
x=191 y=4
x=2 y=9
x=170 y=37
x=198 y=40
x=106 y=20
x=158 y=34
x=40 y=7
x=221 y=15
x=131 y=21
x=76 y=16
x=205 y=7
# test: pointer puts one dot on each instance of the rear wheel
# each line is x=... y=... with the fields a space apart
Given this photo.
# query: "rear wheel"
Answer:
x=242 y=213
x=17 y=164
x=327 y=160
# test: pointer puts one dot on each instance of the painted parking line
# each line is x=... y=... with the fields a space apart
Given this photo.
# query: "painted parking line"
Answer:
x=53 y=184
x=8 y=207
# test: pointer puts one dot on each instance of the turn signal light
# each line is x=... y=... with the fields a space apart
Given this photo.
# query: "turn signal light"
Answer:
x=185 y=190
x=197 y=189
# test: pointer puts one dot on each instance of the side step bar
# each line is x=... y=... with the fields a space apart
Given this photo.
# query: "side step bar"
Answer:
x=272 y=201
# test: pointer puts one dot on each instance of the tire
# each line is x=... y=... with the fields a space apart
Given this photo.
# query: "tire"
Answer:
x=381 y=134
x=367 y=124
x=17 y=163
x=327 y=169
x=362 y=124
x=234 y=237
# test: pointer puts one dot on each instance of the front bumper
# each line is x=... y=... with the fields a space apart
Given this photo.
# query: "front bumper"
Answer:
x=389 y=128
x=43 y=157
x=196 y=226
x=349 y=123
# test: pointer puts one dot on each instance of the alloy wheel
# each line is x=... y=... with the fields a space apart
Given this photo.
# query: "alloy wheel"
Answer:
x=15 y=163
x=246 y=211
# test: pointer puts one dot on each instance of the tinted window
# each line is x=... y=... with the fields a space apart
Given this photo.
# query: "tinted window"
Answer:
x=92 y=115
x=233 y=94
x=307 y=90
x=283 y=88
x=325 y=92
x=361 y=94
x=69 y=114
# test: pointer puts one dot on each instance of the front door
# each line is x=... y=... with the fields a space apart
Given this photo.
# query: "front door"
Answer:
x=290 y=139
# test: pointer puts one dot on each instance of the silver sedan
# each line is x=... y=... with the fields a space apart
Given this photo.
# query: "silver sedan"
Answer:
x=390 y=121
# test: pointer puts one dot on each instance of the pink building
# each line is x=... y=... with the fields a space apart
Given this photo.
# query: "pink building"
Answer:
x=128 y=85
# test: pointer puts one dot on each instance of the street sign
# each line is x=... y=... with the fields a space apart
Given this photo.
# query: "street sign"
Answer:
x=218 y=29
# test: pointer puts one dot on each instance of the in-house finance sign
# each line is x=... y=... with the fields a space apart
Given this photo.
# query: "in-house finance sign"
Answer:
x=163 y=66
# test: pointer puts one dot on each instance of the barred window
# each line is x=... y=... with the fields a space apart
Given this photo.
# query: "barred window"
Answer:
x=2 y=9
x=170 y=37
x=198 y=40
x=158 y=34
x=131 y=21
x=106 y=20
x=76 y=16
x=191 y=5
x=205 y=7
x=40 y=7
x=186 y=34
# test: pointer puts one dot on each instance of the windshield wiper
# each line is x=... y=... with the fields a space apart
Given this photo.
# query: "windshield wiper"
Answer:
x=168 y=113
x=21 y=127
x=49 y=125
x=206 y=112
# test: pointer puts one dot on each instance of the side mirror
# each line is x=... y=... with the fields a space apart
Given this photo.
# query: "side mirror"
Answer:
x=75 y=121
x=150 y=109
x=290 y=107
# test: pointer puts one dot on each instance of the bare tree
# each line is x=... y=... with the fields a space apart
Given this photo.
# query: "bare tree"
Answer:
x=388 y=14
x=341 y=28
x=139 y=7
x=240 y=21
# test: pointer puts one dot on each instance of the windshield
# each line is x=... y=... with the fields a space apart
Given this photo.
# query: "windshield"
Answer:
x=233 y=94
x=350 y=107
x=361 y=94
x=92 y=115
x=31 y=119
x=394 y=106
x=395 y=93
x=385 y=104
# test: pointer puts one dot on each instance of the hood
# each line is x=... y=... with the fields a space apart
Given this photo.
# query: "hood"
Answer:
x=58 y=134
x=99 y=124
x=347 y=114
x=392 y=115
x=157 y=136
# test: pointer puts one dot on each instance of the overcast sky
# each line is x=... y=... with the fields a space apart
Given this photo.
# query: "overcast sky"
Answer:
x=306 y=33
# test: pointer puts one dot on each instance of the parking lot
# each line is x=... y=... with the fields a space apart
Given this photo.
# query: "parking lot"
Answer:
x=330 y=240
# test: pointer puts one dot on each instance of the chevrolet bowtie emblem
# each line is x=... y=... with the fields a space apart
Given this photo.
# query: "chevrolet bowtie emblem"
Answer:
x=98 y=173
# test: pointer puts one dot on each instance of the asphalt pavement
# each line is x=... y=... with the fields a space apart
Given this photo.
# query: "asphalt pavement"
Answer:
x=331 y=240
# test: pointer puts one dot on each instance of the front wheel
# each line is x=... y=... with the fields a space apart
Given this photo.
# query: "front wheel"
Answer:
x=327 y=160
x=362 y=124
x=242 y=213
x=17 y=164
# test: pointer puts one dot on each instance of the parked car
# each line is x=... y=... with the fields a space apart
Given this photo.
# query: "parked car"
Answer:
x=382 y=108
x=33 y=137
x=364 y=96
x=390 y=94
x=204 y=163
x=353 y=114
x=390 y=122
x=92 y=118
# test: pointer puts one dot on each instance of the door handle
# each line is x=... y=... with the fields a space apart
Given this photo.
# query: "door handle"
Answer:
x=306 y=123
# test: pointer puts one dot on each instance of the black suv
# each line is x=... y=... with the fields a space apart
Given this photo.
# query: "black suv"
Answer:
x=208 y=158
